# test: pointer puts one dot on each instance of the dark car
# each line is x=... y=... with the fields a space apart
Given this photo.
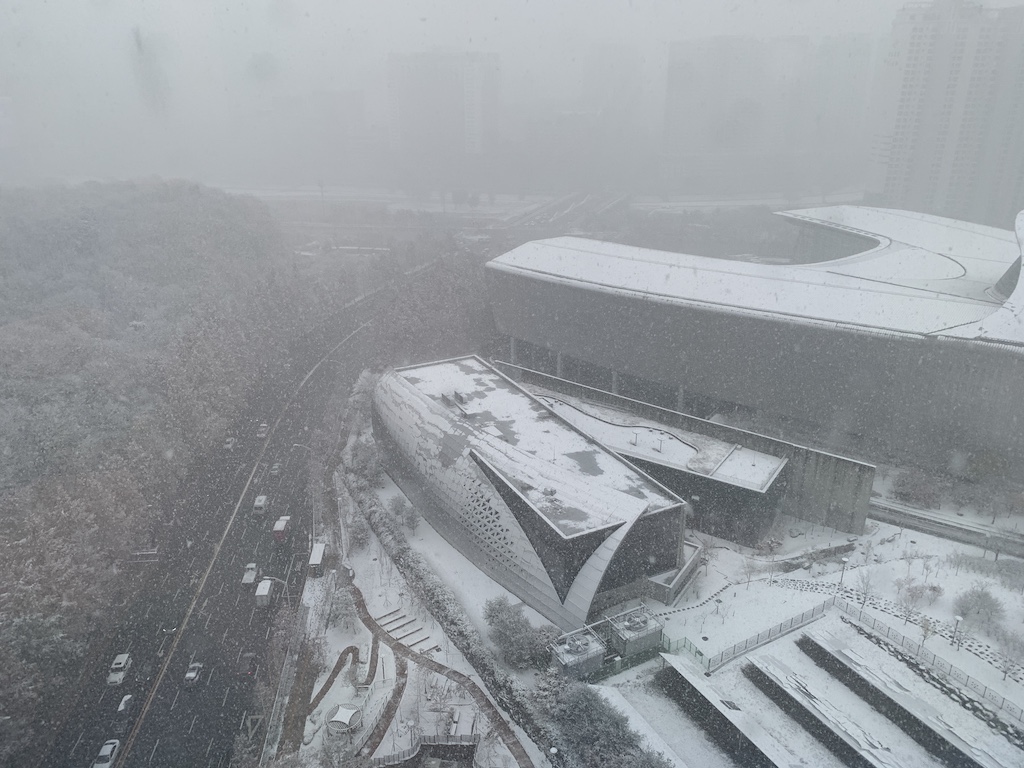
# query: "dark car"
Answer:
x=248 y=665
x=125 y=714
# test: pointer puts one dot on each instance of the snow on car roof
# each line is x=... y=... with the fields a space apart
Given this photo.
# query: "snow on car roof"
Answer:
x=574 y=482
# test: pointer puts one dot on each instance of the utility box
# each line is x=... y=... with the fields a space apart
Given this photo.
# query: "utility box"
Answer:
x=252 y=572
x=264 y=593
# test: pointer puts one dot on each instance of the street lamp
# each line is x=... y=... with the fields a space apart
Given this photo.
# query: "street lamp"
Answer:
x=843 y=574
x=958 y=619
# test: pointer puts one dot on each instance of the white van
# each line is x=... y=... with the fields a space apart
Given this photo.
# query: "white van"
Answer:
x=259 y=507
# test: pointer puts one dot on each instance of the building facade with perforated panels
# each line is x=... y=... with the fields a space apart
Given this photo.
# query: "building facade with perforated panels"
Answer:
x=547 y=512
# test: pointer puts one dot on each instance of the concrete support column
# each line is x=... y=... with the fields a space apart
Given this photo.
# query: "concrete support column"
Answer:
x=685 y=511
x=559 y=367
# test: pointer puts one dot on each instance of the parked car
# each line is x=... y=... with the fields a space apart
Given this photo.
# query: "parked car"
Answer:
x=122 y=663
x=108 y=752
x=194 y=673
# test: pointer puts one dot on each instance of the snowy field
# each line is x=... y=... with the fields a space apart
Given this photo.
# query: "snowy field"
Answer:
x=737 y=595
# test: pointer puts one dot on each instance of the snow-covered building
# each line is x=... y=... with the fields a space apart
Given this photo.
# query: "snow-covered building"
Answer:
x=542 y=508
x=915 y=344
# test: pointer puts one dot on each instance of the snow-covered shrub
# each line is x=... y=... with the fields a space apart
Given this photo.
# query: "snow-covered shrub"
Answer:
x=979 y=606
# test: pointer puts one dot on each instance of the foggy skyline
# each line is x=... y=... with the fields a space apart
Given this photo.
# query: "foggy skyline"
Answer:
x=116 y=89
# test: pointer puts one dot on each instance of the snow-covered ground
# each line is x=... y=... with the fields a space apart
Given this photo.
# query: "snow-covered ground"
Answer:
x=738 y=595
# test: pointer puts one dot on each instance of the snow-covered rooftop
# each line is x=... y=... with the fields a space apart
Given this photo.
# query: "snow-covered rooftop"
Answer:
x=575 y=483
x=634 y=436
x=926 y=276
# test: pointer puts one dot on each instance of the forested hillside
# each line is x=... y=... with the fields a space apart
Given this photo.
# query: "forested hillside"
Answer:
x=134 y=321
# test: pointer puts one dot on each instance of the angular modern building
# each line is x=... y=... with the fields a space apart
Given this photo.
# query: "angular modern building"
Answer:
x=912 y=349
x=539 y=506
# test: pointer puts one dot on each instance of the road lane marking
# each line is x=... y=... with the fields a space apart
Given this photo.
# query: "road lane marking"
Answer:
x=209 y=747
x=213 y=560
x=225 y=699
x=79 y=740
x=194 y=718
x=154 y=750
x=176 y=694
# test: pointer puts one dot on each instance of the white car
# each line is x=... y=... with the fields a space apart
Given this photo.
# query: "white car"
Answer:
x=107 y=754
x=194 y=672
x=122 y=663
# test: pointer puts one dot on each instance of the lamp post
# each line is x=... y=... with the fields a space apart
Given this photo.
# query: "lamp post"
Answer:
x=956 y=626
x=843 y=574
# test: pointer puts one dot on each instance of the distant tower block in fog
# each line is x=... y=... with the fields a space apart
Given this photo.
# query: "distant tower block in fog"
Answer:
x=913 y=347
x=948 y=112
x=444 y=106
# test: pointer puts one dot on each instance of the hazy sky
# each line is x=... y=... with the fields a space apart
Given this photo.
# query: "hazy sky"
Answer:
x=133 y=87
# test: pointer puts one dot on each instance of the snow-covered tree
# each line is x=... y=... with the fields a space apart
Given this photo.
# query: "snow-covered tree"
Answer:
x=979 y=606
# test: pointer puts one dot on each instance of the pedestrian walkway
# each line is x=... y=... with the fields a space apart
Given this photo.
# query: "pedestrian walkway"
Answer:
x=479 y=697
x=407 y=630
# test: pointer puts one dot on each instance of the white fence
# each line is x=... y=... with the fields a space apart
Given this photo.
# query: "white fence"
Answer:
x=935 y=662
x=399 y=757
x=711 y=663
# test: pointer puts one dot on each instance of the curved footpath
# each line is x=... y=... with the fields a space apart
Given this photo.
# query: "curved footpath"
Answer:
x=479 y=697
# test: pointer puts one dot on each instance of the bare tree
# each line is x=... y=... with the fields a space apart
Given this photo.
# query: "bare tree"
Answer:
x=902 y=583
x=750 y=569
x=927 y=630
x=865 y=585
x=910 y=599
x=1011 y=652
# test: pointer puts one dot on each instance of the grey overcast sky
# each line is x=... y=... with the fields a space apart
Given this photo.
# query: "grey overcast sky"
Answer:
x=111 y=88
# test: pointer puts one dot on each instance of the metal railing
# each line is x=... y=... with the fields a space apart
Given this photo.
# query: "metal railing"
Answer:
x=711 y=663
x=937 y=663
x=394 y=758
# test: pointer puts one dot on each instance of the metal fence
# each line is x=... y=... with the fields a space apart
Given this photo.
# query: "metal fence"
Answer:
x=370 y=722
x=711 y=663
x=935 y=662
x=394 y=758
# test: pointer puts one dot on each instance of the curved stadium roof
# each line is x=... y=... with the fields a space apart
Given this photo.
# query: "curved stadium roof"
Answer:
x=927 y=276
